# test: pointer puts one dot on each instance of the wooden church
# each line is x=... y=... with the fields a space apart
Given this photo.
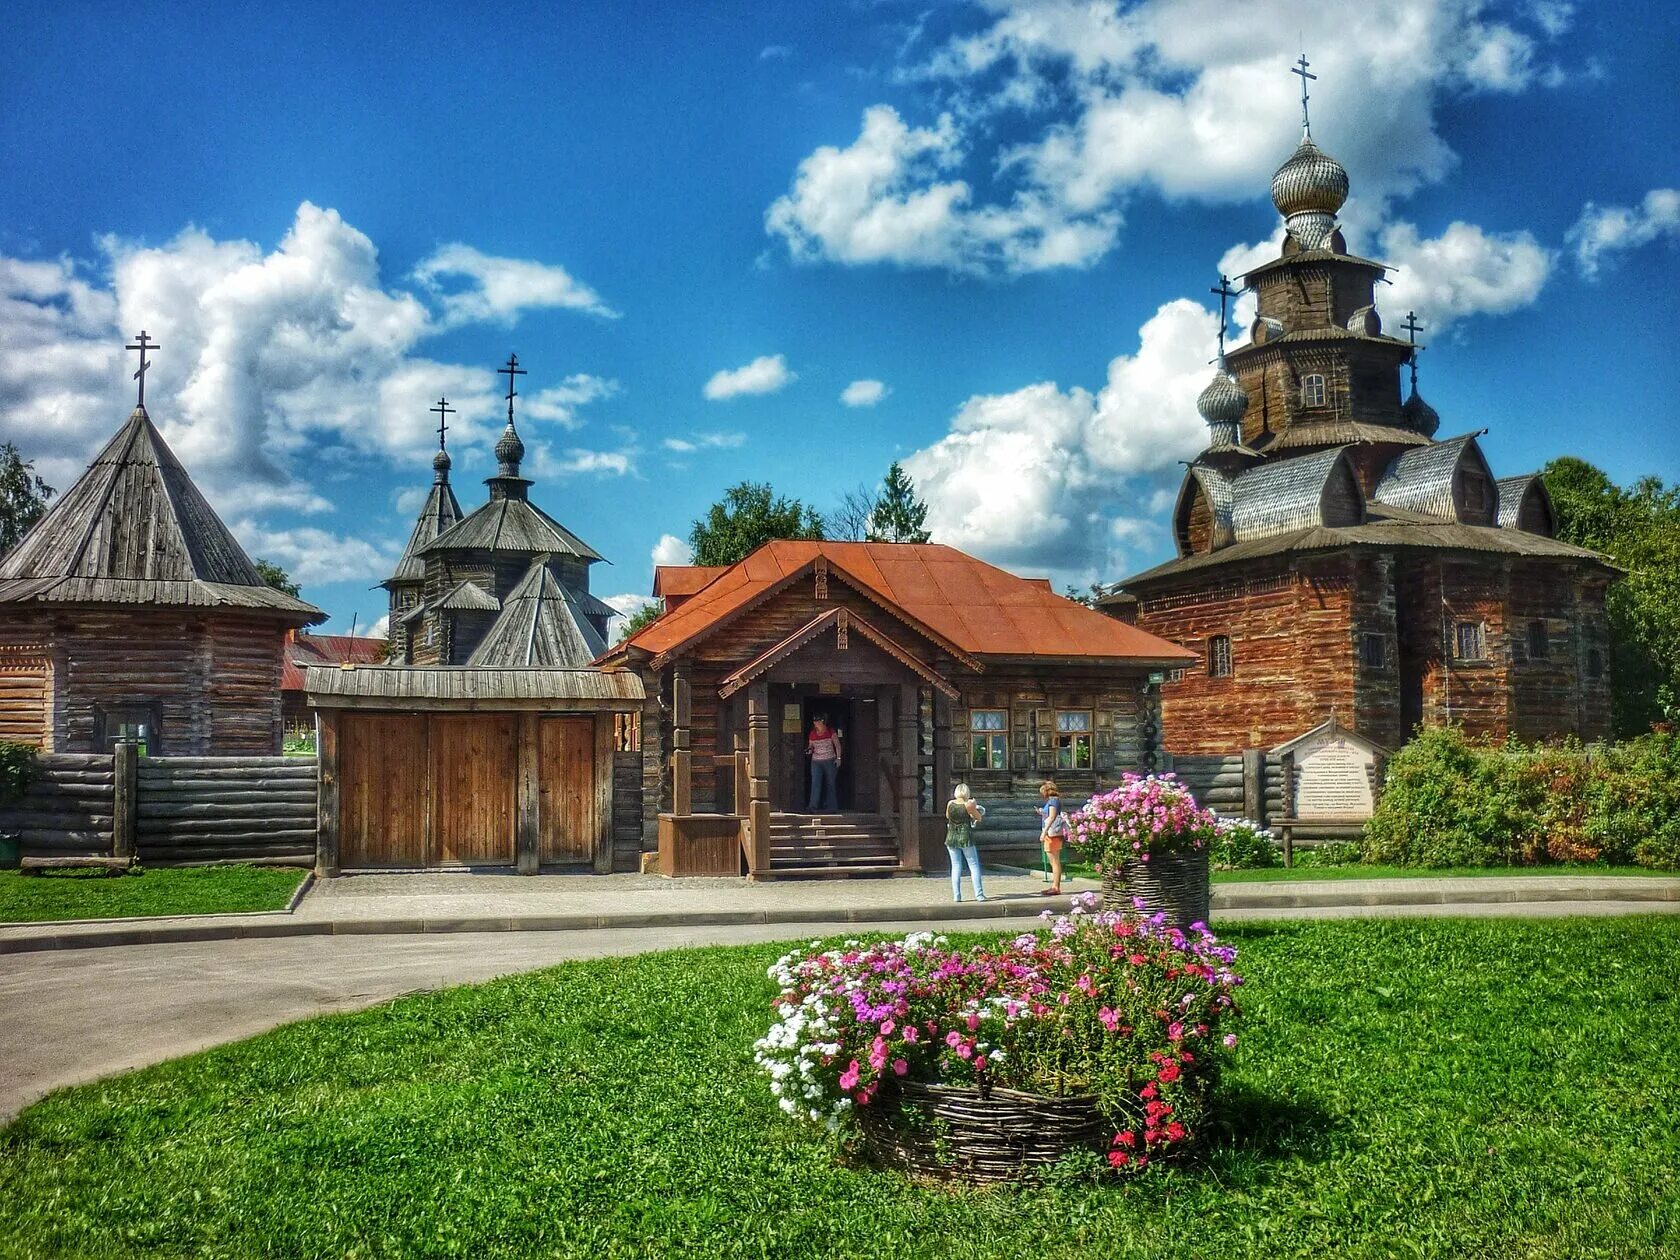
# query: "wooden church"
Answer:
x=129 y=611
x=1335 y=557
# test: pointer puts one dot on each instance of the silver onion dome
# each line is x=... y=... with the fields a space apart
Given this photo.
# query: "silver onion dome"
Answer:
x=1419 y=415
x=1222 y=405
x=1307 y=190
x=509 y=451
x=441 y=464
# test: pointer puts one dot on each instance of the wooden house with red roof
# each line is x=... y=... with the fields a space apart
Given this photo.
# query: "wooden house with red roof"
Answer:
x=303 y=650
x=934 y=666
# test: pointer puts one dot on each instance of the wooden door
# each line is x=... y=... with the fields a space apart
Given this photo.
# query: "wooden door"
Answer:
x=473 y=776
x=382 y=765
x=566 y=812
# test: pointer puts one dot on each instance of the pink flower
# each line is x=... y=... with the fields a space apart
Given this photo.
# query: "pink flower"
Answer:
x=953 y=1038
x=1110 y=1018
x=910 y=1036
x=1230 y=1040
x=849 y=1078
x=900 y=1067
x=887 y=1027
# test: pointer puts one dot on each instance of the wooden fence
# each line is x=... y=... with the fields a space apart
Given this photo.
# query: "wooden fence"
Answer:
x=1237 y=785
x=169 y=810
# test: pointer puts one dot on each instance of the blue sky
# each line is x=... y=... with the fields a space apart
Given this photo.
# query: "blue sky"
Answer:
x=1005 y=214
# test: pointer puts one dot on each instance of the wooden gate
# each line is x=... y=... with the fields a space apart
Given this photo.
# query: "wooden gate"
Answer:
x=434 y=789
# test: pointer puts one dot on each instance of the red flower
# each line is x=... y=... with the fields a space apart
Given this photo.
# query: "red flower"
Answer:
x=1175 y=1131
x=1169 y=1074
x=1148 y=1091
x=1126 y=1138
x=1118 y=1159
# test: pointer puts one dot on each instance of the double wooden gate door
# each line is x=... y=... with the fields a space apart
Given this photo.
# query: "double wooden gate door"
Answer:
x=443 y=789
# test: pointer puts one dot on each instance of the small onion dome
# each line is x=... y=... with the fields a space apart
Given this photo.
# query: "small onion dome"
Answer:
x=1310 y=180
x=441 y=464
x=1365 y=321
x=1223 y=401
x=1419 y=415
x=509 y=449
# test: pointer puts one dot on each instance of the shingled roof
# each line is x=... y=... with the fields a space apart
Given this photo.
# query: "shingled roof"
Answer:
x=512 y=525
x=440 y=512
x=134 y=529
x=976 y=608
x=542 y=624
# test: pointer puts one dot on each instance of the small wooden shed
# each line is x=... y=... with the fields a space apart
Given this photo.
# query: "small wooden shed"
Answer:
x=450 y=767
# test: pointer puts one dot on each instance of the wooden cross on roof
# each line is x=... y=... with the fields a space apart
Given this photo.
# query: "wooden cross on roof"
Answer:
x=1413 y=328
x=510 y=371
x=443 y=410
x=144 y=344
x=1225 y=292
x=1301 y=69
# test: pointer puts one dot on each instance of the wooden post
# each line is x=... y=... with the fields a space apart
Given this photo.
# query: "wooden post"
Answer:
x=758 y=769
x=527 y=809
x=125 y=777
x=682 y=754
x=742 y=778
x=886 y=788
x=326 y=807
x=602 y=841
x=909 y=777
x=1254 y=786
x=1288 y=808
x=942 y=740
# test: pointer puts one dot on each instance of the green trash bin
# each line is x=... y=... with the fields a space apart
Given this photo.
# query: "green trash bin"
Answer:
x=11 y=852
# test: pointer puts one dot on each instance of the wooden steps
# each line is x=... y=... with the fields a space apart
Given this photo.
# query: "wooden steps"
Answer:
x=831 y=846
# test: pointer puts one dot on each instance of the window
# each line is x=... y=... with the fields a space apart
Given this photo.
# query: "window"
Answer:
x=1539 y=641
x=1312 y=390
x=1595 y=664
x=988 y=739
x=134 y=723
x=1073 y=739
x=1373 y=651
x=1219 y=656
x=1471 y=641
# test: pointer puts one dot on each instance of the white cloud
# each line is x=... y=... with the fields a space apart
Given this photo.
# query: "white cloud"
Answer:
x=559 y=404
x=1038 y=477
x=865 y=393
x=764 y=375
x=544 y=462
x=626 y=606
x=310 y=555
x=1603 y=231
x=1464 y=271
x=1185 y=99
x=775 y=52
x=672 y=550
x=473 y=287
x=380 y=629
x=409 y=499
x=705 y=442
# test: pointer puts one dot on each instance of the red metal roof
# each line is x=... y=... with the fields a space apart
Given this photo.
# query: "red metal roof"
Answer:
x=326 y=649
x=680 y=580
x=977 y=607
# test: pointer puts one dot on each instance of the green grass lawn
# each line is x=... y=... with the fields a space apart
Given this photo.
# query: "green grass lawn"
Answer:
x=1084 y=870
x=1412 y=1088
x=157 y=890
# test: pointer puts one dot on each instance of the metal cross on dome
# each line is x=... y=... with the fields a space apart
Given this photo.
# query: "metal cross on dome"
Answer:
x=510 y=371
x=443 y=410
x=1225 y=292
x=1413 y=328
x=144 y=344
x=1301 y=69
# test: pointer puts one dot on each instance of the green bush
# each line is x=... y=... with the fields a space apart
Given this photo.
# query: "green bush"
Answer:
x=1452 y=801
x=1330 y=853
x=17 y=768
x=1238 y=845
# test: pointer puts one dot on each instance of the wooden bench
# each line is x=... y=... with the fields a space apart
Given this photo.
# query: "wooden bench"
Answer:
x=1315 y=829
x=115 y=865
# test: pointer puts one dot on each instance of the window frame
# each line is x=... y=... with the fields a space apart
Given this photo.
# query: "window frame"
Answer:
x=993 y=739
x=1373 y=649
x=1595 y=665
x=1478 y=630
x=1221 y=663
x=110 y=721
x=1311 y=383
x=1539 y=640
x=1074 y=741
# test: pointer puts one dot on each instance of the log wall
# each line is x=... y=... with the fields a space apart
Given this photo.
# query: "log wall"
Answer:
x=184 y=809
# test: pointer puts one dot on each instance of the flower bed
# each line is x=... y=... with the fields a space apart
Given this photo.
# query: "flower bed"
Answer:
x=937 y=1056
x=1149 y=840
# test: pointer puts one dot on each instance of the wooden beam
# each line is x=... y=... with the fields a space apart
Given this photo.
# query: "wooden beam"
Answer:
x=602 y=842
x=326 y=805
x=942 y=742
x=125 y=799
x=527 y=799
x=682 y=756
x=909 y=773
x=758 y=767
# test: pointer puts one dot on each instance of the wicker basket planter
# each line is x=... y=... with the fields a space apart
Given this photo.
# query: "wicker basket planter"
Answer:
x=956 y=1132
x=1173 y=883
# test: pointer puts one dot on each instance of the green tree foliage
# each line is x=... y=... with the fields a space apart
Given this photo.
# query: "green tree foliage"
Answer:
x=748 y=516
x=277 y=577
x=23 y=496
x=642 y=618
x=898 y=516
x=1639 y=528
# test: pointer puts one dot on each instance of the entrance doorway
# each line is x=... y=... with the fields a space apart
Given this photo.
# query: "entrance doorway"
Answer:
x=795 y=707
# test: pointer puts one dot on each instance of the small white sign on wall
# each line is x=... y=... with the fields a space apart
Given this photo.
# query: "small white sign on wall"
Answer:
x=1331 y=773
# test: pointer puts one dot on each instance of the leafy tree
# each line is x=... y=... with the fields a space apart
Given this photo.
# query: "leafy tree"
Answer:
x=898 y=516
x=748 y=516
x=1638 y=528
x=642 y=618
x=23 y=496
x=1088 y=598
x=278 y=578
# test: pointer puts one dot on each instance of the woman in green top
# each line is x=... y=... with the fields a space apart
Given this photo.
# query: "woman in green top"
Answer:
x=960 y=816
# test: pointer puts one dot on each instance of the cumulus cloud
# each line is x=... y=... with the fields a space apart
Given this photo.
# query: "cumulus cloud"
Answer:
x=1183 y=99
x=559 y=404
x=625 y=607
x=473 y=287
x=545 y=462
x=704 y=442
x=1061 y=480
x=310 y=555
x=1604 y=231
x=764 y=375
x=380 y=629
x=1464 y=271
x=672 y=550
x=865 y=393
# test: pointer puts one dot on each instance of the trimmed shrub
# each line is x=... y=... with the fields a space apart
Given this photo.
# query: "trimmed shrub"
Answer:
x=17 y=770
x=1330 y=853
x=1238 y=845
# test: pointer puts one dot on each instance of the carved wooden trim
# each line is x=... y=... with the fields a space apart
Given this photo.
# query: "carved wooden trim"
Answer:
x=837 y=618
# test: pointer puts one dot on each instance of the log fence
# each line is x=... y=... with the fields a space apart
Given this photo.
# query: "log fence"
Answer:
x=168 y=811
